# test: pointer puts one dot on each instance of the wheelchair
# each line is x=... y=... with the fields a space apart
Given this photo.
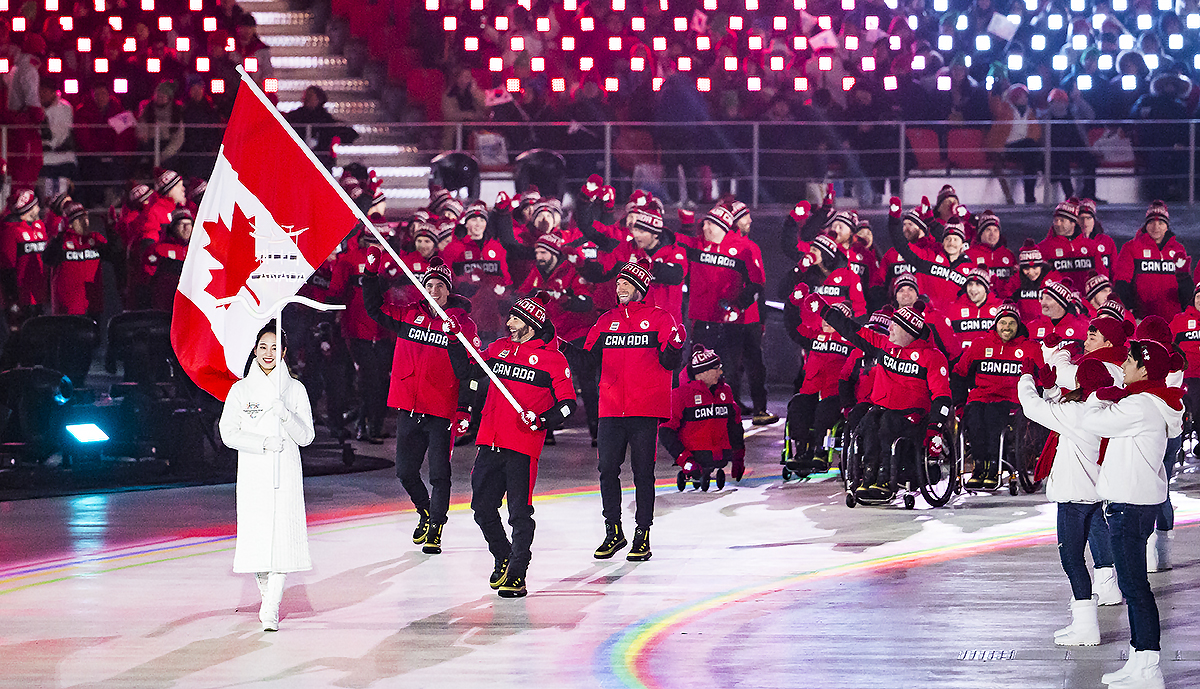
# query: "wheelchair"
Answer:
x=1020 y=444
x=701 y=473
x=913 y=470
x=802 y=462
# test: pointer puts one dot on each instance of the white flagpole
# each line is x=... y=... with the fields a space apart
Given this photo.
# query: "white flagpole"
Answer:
x=279 y=364
x=388 y=247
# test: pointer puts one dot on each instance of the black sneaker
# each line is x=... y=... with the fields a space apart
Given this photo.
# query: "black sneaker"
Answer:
x=640 y=551
x=422 y=530
x=498 y=573
x=433 y=540
x=513 y=587
x=613 y=541
x=764 y=418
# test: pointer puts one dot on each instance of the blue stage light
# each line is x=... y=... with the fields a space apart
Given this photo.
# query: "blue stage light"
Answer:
x=87 y=433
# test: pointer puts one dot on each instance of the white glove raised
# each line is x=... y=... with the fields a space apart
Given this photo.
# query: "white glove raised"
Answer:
x=273 y=443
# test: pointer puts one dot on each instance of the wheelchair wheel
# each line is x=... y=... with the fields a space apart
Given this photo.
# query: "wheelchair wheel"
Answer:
x=909 y=501
x=787 y=474
x=1012 y=488
x=681 y=481
x=704 y=482
x=938 y=473
x=851 y=471
x=1024 y=454
x=851 y=501
x=720 y=479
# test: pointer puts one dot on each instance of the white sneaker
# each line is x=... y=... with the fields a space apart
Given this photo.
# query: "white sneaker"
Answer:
x=1104 y=586
x=1125 y=671
x=1085 y=627
x=1145 y=674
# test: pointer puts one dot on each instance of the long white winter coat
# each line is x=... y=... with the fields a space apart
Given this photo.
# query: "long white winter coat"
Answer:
x=1138 y=426
x=1075 y=471
x=272 y=534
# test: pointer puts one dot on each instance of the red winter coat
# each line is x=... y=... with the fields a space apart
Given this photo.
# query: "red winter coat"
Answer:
x=1002 y=263
x=908 y=377
x=703 y=417
x=346 y=288
x=21 y=247
x=992 y=367
x=968 y=320
x=1154 y=273
x=481 y=274
x=894 y=264
x=537 y=375
x=717 y=274
x=566 y=288
x=823 y=366
x=1071 y=257
x=1186 y=330
x=842 y=285
x=630 y=340
x=1069 y=327
x=77 y=278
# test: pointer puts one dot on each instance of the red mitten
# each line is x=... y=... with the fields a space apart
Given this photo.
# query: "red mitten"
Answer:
x=801 y=212
x=1045 y=377
x=609 y=196
x=1052 y=340
x=504 y=202
x=591 y=188
x=933 y=440
x=531 y=420
x=830 y=195
x=1029 y=368
x=687 y=217
x=894 y=207
x=450 y=326
x=374 y=259
x=925 y=210
x=799 y=294
x=462 y=421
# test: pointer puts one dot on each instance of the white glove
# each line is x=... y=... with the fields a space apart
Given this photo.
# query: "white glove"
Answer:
x=530 y=420
x=280 y=409
x=273 y=443
x=499 y=290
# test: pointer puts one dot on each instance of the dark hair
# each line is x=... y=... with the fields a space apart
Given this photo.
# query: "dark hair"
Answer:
x=1137 y=353
x=270 y=327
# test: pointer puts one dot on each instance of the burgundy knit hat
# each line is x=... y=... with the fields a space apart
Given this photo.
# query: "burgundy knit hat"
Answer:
x=981 y=275
x=1095 y=283
x=721 y=217
x=1113 y=330
x=1113 y=308
x=477 y=209
x=985 y=220
x=638 y=274
x=438 y=270
x=23 y=201
x=1030 y=254
x=139 y=195
x=551 y=242
x=905 y=280
x=648 y=220
x=849 y=218
x=551 y=205
x=166 y=180
x=1155 y=328
x=739 y=210
x=881 y=320
x=911 y=318
x=828 y=248
x=1092 y=375
x=57 y=203
x=1060 y=292
x=703 y=359
x=72 y=211
x=914 y=216
x=955 y=228
x=946 y=192
x=532 y=310
x=1158 y=209
x=845 y=308
x=422 y=228
x=196 y=189
x=1068 y=209
x=452 y=206
x=1087 y=207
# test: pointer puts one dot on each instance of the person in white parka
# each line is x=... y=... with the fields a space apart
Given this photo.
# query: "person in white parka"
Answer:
x=267 y=419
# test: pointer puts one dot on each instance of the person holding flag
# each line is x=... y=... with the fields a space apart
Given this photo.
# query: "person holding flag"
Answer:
x=429 y=368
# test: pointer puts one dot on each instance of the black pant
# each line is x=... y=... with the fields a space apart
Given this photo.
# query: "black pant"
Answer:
x=584 y=373
x=1028 y=154
x=640 y=435
x=1060 y=171
x=726 y=340
x=373 y=360
x=809 y=419
x=1129 y=527
x=416 y=436
x=985 y=425
x=877 y=431
x=747 y=338
x=501 y=473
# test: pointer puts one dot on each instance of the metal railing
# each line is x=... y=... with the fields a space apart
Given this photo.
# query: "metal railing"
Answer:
x=763 y=162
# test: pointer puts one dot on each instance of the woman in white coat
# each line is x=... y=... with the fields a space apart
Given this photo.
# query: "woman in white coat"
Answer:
x=267 y=418
x=1071 y=484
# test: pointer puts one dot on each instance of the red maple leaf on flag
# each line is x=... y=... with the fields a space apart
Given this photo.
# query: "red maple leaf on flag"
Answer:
x=234 y=248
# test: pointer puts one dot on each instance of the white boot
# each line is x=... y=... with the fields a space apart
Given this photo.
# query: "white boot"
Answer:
x=1125 y=671
x=1145 y=674
x=1152 y=552
x=268 y=614
x=260 y=578
x=1085 y=627
x=1162 y=551
x=1104 y=585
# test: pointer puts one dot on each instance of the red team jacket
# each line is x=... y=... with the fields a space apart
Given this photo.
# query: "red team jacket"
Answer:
x=968 y=320
x=537 y=375
x=479 y=269
x=1073 y=257
x=563 y=284
x=1152 y=271
x=1002 y=263
x=1186 y=330
x=631 y=338
x=828 y=356
x=702 y=417
x=992 y=367
x=1069 y=327
x=717 y=273
x=21 y=247
x=346 y=287
x=77 y=281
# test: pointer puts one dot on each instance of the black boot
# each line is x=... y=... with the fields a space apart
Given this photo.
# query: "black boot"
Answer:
x=614 y=540
x=433 y=541
x=640 y=551
x=498 y=573
x=422 y=530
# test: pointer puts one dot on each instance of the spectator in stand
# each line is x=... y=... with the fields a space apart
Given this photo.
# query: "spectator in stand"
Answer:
x=1016 y=131
x=1152 y=272
x=160 y=128
x=59 y=166
x=463 y=101
x=1163 y=155
x=202 y=131
x=250 y=45
x=320 y=130
x=1069 y=144
x=104 y=131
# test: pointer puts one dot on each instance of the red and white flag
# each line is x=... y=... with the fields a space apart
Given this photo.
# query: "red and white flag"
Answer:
x=270 y=216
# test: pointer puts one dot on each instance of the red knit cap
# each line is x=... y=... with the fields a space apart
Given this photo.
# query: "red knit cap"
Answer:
x=911 y=318
x=1158 y=210
x=1092 y=375
x=1030 y=254
x=702 y=360
x=1095 y=283
x=1111 y=329
x=638 y=274
x=1068 y=209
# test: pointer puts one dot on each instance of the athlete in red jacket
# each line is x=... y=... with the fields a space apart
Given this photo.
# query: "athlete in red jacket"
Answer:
x=22 y=273
x=990 y=252
x=947 y=269
x=74 y=255
x=638 y=346
x=989 y=371
x=815 y=408
x=1066 y=248
x=537 y=375
x=1185 y=329
x=1152 y=272
x=1059 y=322
x=705 y=429
x=1103 y=245
x=911 y=389
x=972 y=313
x=1034 y=274
x=914 y=226
x=430 y=368
x=823 y=271
x=480 y=267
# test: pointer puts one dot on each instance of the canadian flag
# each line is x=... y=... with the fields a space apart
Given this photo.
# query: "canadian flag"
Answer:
x=270 y=217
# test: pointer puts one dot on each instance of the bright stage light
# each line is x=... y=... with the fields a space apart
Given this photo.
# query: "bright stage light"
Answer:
x=87 y=433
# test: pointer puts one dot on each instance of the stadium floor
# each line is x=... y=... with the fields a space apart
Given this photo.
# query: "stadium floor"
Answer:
x=762 y=584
